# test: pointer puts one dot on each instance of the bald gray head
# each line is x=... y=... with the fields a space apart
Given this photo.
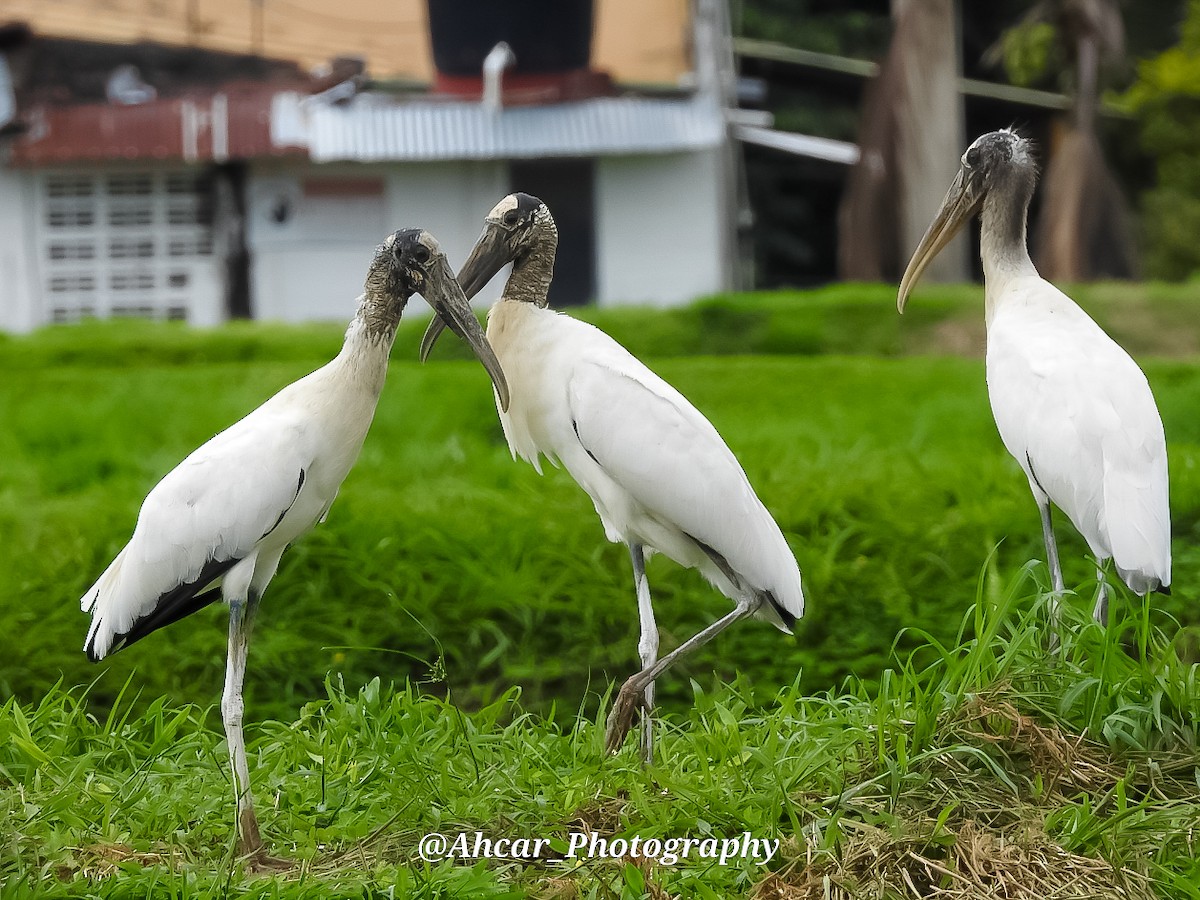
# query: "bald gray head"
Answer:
x=997 y=175
x=995 y=157
x=411 y=261
x=398 y=270
x=521 y=231
x=518 y=230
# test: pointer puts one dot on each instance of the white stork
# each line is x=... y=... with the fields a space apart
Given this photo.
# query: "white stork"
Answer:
x=659 y=475
x=217 y=524
x=1071 y=406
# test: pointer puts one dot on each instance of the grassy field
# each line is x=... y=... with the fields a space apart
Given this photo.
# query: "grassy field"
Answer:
x=435 y=655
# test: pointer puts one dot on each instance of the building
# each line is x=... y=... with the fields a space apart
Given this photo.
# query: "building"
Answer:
x=200 y=184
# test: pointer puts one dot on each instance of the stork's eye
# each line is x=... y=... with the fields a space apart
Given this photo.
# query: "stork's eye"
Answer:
x=421 y=254
x=511 y=217
x=972 y=157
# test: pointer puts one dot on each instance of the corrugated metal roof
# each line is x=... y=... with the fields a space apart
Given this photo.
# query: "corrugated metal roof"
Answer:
x=374 y=129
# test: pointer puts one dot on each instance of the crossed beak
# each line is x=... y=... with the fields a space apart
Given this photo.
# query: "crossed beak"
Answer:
x=489 y=255
x=443 y=293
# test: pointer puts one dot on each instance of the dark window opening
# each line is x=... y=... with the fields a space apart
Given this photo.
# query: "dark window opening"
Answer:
x=567 y=187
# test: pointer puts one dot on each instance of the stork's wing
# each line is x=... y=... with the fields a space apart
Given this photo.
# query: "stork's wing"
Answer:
x=1078 y=414
x=670 y=459
x=205 y=515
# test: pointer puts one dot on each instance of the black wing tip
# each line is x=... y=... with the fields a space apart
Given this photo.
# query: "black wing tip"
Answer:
x=172 y=606
x=168 y=614
x=1164 y=589
x=785 y=615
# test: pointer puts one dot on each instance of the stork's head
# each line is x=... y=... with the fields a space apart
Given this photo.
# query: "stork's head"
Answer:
x=997 y=162
x=412 y=262
x=518 y=230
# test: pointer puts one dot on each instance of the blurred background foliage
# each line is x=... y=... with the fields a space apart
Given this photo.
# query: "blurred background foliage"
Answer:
x=1165 y=100
x=1149 y=128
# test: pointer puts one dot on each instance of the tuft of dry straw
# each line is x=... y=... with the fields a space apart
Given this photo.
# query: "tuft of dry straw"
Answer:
x=980 y=862
x=97 y=861
x=1066 y=761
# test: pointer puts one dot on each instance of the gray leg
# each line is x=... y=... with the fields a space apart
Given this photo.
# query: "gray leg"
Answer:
x=620 y=720
x=647 y=647
x=1056 y=576
x=1100 y=612
x=241 y=616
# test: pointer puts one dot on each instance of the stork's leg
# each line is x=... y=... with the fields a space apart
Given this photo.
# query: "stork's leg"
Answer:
x=620 y=720
x=1100 y=612
x=647 y=647
x=1056 y=576
x=241 y=616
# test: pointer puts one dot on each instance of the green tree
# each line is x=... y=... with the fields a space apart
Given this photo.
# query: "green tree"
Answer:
x=1165 y=98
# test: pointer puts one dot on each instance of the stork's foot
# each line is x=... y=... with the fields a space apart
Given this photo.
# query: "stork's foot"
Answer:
x=250 y=848
x=260 y=862
x=630 y=700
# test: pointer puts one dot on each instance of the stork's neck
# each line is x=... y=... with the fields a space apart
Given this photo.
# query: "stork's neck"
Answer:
x=1002 y=242
x=531 y=275
x=369 y=339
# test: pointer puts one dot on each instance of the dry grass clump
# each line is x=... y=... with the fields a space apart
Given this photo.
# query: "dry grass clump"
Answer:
x=97 y=861
x=973 y=862
x=1065 y=762
x=968 y=820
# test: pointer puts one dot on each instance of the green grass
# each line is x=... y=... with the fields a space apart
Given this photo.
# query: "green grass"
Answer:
x=1071 y=776
x=461 y=577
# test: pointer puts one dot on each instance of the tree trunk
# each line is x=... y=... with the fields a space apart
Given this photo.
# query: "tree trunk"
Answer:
x=910 y=140
x=1083 y=231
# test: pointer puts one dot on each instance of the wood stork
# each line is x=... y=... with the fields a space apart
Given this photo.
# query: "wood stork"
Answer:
x=659 y=475
x=217 y=524
x=1071 y=406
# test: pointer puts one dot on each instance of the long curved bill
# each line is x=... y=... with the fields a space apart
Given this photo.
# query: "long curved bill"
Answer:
x=957 y=209
x=450 y=303
x=488 y=256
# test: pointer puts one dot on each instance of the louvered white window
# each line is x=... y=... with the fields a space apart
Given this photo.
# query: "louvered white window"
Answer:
x=116 y=244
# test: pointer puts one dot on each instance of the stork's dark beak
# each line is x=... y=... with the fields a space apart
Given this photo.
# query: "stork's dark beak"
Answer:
x=444 y=294
x=489 y=255
x=961 y=203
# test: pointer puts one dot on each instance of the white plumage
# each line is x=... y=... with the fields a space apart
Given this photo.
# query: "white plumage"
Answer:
x=216 y=526
x=1078 y=415
x=660 y=476
x=241 y=498
x=1071 y=406
x=656 y=469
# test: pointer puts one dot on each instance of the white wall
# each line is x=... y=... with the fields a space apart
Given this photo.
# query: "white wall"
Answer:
x=313 y=265
x=17 y=269
x=449 y=200
x=310 y=265
x=660 y=229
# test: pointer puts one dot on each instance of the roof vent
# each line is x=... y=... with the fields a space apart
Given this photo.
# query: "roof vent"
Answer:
x=494 y=65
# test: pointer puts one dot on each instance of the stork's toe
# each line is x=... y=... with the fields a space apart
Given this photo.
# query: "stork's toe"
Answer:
x=629 y=701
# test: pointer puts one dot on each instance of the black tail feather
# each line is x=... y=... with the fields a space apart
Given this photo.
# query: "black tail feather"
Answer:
x=172 y=606
x=722 y=563
x=789 y=620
